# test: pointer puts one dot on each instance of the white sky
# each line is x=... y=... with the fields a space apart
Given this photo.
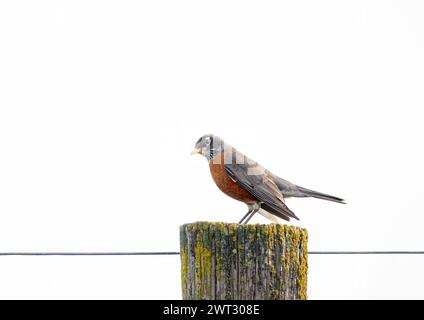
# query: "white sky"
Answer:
x=101 y=103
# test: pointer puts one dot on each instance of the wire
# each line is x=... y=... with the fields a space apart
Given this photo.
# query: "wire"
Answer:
x=364 y=252
x=169 y=253
x=88 y=253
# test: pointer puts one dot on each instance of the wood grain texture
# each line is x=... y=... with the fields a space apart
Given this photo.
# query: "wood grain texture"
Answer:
x=221 y=261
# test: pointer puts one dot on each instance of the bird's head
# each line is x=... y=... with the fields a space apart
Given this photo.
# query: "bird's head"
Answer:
x=208 y=146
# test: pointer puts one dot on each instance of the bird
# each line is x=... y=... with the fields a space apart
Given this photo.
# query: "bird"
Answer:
x=243 y=179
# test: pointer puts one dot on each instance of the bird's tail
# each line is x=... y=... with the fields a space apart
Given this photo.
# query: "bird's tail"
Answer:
x=320 y=195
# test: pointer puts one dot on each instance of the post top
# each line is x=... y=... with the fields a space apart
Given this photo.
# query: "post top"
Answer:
x=271 y=227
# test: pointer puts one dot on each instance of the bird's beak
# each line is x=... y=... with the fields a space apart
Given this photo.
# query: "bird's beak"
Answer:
x=196 y=151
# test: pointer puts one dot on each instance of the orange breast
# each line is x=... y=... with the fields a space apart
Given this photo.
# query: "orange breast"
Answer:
x=226 y=184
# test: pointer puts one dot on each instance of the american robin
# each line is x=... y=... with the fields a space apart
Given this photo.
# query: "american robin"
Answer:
x=245 y=180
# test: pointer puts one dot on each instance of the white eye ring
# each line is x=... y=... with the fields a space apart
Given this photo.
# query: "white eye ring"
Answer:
x=207 y=141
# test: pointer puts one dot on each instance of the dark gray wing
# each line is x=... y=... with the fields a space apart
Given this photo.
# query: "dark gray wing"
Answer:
x=259 y=182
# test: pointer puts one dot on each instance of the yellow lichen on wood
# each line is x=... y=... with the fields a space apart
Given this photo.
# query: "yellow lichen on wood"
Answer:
x=232 y=261
x=303 y=266
x=183 y=257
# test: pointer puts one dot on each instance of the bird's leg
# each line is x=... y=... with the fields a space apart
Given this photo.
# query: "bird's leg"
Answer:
x=245 y=216
x=253 y=208
x=251 y=215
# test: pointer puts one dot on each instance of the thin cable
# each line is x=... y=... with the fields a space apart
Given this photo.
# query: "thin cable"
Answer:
x=365 y=252
x=88 y=253
x=168 y=253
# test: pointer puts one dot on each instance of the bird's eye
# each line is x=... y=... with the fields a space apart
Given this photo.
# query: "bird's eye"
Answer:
x=207 y=141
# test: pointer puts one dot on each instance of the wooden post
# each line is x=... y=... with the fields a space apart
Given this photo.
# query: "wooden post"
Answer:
x=223 y=261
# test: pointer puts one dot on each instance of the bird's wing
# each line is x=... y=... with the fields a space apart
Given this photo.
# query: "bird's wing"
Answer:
x=258 y=181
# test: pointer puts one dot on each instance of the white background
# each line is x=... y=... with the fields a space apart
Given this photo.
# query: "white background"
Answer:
x=101 y=103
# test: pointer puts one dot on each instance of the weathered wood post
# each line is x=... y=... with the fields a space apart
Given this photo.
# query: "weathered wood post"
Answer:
x=223 y=261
